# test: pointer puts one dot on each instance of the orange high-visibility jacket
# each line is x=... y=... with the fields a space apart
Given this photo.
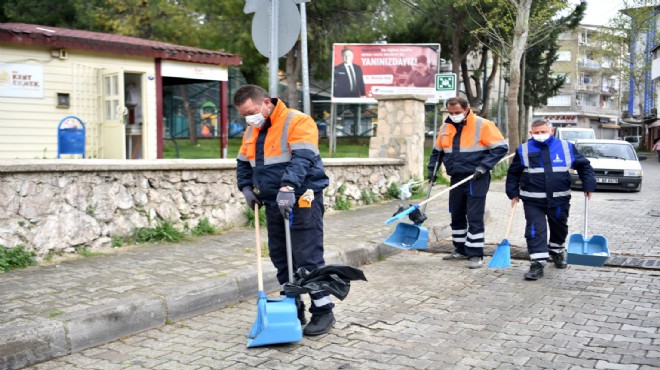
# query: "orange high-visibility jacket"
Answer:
x=481 y=143
x=284 y=151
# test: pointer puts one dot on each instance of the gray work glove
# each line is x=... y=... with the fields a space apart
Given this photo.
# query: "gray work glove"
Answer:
x=250 y=197
x=285 y=201
x=480 y=171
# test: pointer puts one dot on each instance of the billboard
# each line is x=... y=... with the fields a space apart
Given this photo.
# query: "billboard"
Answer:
x=362 y=71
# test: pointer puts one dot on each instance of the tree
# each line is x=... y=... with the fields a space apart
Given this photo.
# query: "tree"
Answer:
x=633 y=29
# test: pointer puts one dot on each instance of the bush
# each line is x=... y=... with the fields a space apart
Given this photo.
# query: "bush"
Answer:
x=249 y=214
x=342 y=203
x=164 y=231
x=13 y=258
x=204 y=227
x=393 y=191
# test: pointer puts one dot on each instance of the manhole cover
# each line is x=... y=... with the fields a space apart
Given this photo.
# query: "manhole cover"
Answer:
x=654 y=213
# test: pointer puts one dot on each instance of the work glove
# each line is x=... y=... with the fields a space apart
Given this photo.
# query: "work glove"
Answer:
x=432 y=176
x=480 y=171
x=285 y=201
x=250 y=198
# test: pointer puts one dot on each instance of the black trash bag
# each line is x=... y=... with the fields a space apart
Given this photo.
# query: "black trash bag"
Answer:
x=334 y=279
x=416 y=216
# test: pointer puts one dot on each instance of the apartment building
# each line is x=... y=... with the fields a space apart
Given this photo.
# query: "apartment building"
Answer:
x=591 y=96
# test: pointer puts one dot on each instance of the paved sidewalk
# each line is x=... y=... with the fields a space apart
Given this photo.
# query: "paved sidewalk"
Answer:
x=51 y=311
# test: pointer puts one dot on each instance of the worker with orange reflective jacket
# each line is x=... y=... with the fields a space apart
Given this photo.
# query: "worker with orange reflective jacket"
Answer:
x=279 y=165
x=467 y=145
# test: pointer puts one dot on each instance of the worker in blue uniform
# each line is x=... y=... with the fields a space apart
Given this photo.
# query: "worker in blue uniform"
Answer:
x=279 y=165
x=539 y=176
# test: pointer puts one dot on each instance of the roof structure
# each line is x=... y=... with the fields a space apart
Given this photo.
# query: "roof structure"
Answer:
x=64 y=38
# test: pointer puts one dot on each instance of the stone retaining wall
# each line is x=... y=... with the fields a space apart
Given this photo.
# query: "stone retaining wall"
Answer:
x=54 y=206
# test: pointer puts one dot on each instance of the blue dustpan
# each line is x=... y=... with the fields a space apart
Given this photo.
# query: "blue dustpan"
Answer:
x=407 y=236
x=282 y=324
x=277 y=320
x=587 y=251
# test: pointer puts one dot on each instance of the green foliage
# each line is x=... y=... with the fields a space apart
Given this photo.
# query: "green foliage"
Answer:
x=500 y=170
x=13 y=258
x=85 y=252
x=368 y=196
x=163 y=232
x=204 y=227
x=117 y=241
x=249 y=214
x=393 y=191
x=342 y=203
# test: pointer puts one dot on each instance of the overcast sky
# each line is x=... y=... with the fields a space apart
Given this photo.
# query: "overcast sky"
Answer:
x=600 y=11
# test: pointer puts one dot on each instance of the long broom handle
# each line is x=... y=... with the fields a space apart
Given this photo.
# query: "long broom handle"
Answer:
x=260 y=273
x=461 y=182
x=428 y=195
x=508 y=227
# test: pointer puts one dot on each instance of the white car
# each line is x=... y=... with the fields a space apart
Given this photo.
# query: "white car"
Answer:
x=615 y=164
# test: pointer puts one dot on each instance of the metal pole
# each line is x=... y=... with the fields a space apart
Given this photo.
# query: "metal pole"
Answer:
x=272 y=62
x=333 y=131
x=305 y=67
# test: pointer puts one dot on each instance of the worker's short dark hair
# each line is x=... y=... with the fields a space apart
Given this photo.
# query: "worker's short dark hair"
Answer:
x=422 y=59
x=457 y=100
x=253 y=92
x=541 y=122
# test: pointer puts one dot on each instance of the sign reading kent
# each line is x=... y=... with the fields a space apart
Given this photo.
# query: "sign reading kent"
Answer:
x=21 y=80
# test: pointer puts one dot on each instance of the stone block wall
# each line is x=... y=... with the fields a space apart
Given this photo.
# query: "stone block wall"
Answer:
x=54 y=206
x=400 y=132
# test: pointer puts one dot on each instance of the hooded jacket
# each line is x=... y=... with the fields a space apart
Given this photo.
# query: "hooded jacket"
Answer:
x=283 y=152
x=465 y=145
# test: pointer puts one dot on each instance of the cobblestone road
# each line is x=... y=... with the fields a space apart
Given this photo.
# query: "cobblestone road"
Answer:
x=419 y=312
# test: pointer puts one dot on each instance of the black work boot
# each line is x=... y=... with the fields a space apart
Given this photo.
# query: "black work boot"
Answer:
x=535 y=271
x=320 y=324
x=300 y=305
x=560 y=260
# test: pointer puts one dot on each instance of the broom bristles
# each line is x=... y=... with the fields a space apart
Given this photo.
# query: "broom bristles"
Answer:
x=262 y=320
x=502 y=256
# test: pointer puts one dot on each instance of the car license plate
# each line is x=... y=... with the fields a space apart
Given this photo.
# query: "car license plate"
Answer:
x=607 y=180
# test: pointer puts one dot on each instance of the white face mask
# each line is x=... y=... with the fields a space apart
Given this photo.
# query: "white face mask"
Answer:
x=256 y=120
x=457 y=118
x=541 y=137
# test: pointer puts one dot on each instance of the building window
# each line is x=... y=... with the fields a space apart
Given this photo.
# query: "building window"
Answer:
x=567 y=76
x=564 y=56
x=560 y=101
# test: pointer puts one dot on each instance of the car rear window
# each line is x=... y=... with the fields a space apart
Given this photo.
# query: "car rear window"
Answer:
x=600 y=150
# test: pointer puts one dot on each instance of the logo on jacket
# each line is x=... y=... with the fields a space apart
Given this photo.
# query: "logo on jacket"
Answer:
x=557 y=159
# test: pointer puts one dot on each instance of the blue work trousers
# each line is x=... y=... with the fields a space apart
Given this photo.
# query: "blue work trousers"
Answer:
x=467 y=204
x=306 y=244
x=538 y=218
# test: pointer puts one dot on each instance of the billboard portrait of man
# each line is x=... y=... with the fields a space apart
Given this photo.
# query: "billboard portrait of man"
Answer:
x=348 y=78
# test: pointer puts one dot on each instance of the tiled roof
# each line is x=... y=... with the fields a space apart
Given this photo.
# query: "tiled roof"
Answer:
x=63 y=38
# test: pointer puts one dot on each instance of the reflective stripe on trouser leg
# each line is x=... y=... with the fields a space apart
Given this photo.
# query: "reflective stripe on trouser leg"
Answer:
x=536 y=232
x=558 y=223
x=474 y=244
x=458 y=210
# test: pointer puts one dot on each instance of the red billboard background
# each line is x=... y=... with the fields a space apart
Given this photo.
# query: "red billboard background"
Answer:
x=385 y=69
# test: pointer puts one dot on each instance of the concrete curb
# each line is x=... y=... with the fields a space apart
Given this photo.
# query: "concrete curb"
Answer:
x=27 y=343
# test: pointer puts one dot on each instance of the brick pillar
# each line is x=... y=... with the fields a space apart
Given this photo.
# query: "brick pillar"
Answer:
x=400 y=132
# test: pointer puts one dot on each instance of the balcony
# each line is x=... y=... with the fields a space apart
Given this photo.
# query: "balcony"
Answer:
x=610 y=90
x=596 y=110
x=589 y=64
x=593 y=88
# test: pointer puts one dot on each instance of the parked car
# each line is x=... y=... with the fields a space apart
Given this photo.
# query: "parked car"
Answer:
x=574 y=133
x=615 y=164
x=634 y=140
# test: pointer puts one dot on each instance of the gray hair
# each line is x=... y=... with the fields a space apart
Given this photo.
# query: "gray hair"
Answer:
x=541 y=122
